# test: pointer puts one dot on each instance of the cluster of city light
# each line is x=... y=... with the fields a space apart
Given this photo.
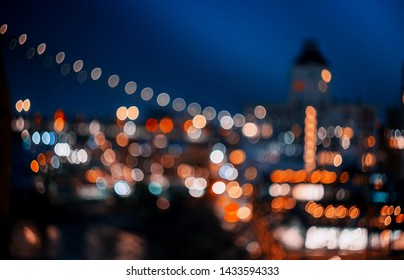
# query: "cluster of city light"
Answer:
x=344 y=134
x=288 y=186
x=325 y=80
x=282 y=203
x=46 y=138
x=351 y=239
x=23 y=105
x=395 y=139
x=163 y=99
x=310 y=132
x=389 y=213
x=131 y=113
x=329 y=158
x=331 y=212
x=233 y=212
x=301 y=176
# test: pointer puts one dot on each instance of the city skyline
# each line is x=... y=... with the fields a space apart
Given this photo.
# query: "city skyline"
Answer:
x=177 y=130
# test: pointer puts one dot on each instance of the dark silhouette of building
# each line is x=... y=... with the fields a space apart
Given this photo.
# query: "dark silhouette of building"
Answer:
x=5 y=162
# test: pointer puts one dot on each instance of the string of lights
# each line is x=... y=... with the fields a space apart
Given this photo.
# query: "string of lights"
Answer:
x=201 y=116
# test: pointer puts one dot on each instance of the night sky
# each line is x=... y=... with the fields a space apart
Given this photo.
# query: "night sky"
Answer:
x=219 y=53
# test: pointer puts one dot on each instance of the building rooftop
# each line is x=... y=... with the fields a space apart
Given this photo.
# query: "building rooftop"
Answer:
x=310 y=54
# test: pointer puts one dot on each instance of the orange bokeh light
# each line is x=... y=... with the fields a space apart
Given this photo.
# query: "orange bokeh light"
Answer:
x=59 y=124
x=34 y=166
x=122 y=139
x=166 y=125
x=237 y=156
x=152 y=125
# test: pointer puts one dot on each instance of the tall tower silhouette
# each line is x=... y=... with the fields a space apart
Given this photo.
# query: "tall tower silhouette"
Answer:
x=310 y=77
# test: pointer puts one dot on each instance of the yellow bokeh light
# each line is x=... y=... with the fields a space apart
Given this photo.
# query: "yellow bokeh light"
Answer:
x=235 y=191
x=199 y=121
x=244 y=213
x=337 y=160
x=250 y=130
x=122 y=113
x=133 y=113
x=387 y=221
x=26 y=105
x=18 y=106
x=326 y=75
x=122 y=139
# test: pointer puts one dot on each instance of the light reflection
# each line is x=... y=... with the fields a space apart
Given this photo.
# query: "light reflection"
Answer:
x=238 y=120
x=209 y=113
x=163 y=99
x=122 y=113
x=130 y=87
x=260 y=112
x=122 y=188
x=226 y=122
x=326 y=75
x=237 y=157
x=96 y=73
x=217 y=156
x=166 y=125
x=18 y=106
x=22 y=39
x=179 y=104
x=133 y=113
x=219 y=187
x=3 y=29
x=60 y=57
x=78 y=65
x=250 y=130
x=199 y=121
x=147 y=93
x=113 y=81
x=41 y=48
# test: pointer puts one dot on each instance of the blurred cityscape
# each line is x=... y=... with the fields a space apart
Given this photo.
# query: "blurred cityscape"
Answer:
x=308 y=178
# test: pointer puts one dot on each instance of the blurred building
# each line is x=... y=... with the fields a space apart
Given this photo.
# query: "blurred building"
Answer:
x=345 y=134
x=317 y=156
x=394 y=136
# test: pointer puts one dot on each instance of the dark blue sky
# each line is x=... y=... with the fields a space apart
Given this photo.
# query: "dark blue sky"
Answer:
x=220 y=53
